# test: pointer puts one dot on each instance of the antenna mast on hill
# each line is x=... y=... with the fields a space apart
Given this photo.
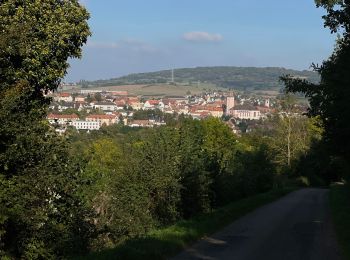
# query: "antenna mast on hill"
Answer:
x=172 y=76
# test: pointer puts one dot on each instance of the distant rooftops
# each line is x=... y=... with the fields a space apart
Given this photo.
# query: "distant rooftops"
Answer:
x=57 y=116
x=244 y=107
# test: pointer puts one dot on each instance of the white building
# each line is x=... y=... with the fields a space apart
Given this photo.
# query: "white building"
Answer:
x=89 y=91
x=79 y=99
x=86 y=125
x=62 y=119
x=106 y=106
x=245 y=112
x=267 y=103
x=151 y=104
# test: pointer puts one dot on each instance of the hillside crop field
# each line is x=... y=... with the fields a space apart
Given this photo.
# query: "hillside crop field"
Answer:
x=161 y=89
x=238 y=78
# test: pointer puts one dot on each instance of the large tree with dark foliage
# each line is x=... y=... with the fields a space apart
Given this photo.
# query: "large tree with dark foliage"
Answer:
x=330 y=98
x=41 y=216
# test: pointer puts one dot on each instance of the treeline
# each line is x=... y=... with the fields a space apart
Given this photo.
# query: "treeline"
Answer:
x=240 y=78
x=154 y=177
x=63 y=196
x=134 y=180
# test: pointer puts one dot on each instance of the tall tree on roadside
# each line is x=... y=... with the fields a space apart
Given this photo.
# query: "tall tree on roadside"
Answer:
x=291 y=135
x=195 y=179
x=40 y=215
x=330 y=98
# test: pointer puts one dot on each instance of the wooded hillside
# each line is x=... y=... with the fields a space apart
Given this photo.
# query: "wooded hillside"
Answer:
x=241 y=78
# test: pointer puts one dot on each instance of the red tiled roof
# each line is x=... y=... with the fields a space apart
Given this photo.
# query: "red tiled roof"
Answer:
x=215 y=109
x=101 y=117
x=64 y=94
x=153 y=102
x=120 y=103
x=204 y=113
x=54 y=116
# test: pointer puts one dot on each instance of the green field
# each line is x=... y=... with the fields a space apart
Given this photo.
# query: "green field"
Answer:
x=161 y=89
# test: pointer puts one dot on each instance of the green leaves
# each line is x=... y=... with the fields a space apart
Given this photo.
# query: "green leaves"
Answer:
x=329 y=99
x=44 y=218
x=328 y=3
x=37 y=38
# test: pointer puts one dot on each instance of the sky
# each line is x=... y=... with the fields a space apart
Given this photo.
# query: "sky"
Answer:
x=131 y=36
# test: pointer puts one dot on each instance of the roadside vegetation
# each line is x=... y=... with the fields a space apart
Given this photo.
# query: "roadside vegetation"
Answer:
x=339 y=200
x=166 y=242
x=329 y=102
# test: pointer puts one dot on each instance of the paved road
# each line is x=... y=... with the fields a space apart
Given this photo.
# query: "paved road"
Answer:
x=295 y=227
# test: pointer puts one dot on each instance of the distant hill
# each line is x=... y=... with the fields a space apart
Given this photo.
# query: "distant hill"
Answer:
x=240 y=78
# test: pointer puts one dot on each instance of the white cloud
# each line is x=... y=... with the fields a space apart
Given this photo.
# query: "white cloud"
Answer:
x=202 y=37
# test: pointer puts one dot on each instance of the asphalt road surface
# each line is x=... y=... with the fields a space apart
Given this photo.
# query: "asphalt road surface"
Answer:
x=297 y=226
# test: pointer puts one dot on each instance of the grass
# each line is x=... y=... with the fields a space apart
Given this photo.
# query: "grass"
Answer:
x=340 y=207
x=166 y=242
x=161 y=89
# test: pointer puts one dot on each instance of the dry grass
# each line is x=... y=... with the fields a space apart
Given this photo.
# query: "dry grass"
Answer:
x=160 y=89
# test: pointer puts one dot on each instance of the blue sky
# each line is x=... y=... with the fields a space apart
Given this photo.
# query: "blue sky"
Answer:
x=130 y=36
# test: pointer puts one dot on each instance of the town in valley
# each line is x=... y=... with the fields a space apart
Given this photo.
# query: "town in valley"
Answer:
x=91 y=109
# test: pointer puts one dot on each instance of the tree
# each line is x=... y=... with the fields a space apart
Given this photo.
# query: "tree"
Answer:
x=291 y=138
x=43 y=216
x=158 y=167
x=195 y=179
x=329 y=99
x=116 y=193
x=98 y=97
x=290 y=133
x=40 y=36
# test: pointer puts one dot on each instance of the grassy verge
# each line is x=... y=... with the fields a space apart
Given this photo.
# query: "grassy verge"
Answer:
x=162 y=243
x=340 y=207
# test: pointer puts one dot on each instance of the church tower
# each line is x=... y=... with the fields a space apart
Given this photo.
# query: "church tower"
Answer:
x=230 y=102
x=267 y=102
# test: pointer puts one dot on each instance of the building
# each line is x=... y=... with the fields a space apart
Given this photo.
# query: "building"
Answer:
x=267 y=102
x=151 y=104
x=230 y=103
x=106 y=106
x=103 y=119
x=62 y=119
x=245 y=112
x=135 y=103
x=141 y=123
x=66 y=97
x=216 y=111
x=177 y=99
x=79 y=99
x=90 y=91
x=63 y=105
x=86 y=125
